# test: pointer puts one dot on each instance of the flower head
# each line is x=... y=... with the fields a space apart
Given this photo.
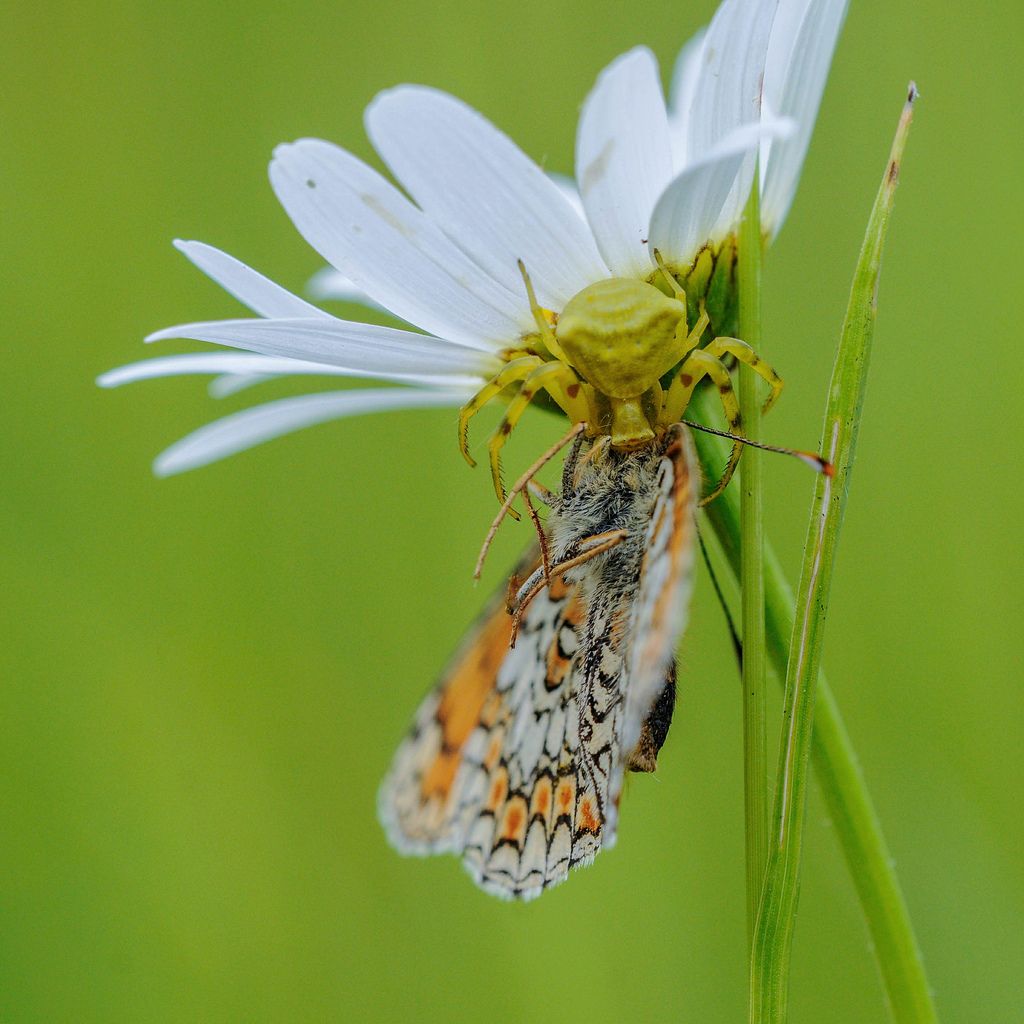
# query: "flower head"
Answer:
x=659 y=192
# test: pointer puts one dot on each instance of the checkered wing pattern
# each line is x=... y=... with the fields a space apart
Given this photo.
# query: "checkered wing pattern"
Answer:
x=490 y=768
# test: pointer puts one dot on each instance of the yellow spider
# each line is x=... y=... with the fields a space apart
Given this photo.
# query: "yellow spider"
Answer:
x=602 y=360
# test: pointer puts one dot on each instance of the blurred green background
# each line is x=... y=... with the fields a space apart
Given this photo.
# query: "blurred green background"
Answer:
x=205 y=677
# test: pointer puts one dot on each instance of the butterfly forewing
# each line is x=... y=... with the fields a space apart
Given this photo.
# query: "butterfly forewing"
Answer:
x=515 y=760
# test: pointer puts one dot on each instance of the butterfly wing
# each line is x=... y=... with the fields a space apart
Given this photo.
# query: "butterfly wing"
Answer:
x=659 y=609
x=418 y=797
x=489 y=769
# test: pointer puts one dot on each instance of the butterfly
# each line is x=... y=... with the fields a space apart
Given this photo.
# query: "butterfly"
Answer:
x=515 y=761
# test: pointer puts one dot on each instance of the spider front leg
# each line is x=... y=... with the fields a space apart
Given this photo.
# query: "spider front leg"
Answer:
x=741 y=351
x=698 y=365
x=693 y=337
x=564 y=387
x=516 y=370
x=686 y=339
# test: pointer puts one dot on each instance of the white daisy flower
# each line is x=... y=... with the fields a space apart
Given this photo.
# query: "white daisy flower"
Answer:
x=653 y=183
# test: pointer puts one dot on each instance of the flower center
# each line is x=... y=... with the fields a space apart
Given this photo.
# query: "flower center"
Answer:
x=710 y=283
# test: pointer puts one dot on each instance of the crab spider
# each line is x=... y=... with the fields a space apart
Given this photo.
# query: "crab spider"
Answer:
x=601 y=361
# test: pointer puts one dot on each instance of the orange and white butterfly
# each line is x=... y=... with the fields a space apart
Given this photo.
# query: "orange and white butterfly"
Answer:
x=516 y=760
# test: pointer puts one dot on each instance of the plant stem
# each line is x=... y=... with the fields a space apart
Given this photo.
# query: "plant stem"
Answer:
x=753 y=667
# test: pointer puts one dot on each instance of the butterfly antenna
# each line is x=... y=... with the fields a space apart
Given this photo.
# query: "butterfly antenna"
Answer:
x=737 y=643
x=545 y=556
x=521 y=484
x=590 y=547
x=817 y=462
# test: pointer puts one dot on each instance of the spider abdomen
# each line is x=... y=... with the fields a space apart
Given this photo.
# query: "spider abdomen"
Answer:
x=621 y=334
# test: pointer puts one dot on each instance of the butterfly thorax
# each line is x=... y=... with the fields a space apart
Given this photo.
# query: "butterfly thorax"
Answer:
x=606 y=489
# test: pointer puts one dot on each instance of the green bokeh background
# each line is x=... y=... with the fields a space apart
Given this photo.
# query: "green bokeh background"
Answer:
x=204 y=677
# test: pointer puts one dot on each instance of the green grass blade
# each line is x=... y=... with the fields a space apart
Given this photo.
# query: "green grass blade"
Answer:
x=753 y=667
x=773 y=939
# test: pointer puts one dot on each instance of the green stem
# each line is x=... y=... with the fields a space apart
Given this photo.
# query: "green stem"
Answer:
x=753 y=668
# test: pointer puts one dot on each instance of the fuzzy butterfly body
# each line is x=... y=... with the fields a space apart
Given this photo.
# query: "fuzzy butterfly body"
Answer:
x=516 y=760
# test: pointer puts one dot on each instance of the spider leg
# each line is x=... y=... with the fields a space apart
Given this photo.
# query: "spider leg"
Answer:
x=693 y=336
x=516 y=370
x=700 y=364
x=541 y=493
x=542 y=538
x=686 y=339
x=522 y=482
x=542 y=317
x=588 y=548
x=745 y=354
x=571 y=464
x=670 y=278
x=558 y=380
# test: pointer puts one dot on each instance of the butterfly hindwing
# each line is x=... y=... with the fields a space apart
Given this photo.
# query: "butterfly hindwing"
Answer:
x=488 y=768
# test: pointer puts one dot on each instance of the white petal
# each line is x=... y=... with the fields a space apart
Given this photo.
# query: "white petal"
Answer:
x=567 y=186
x=685 y=76
x=772 y=131
x=729 y=89
x=690 y=208
x=328 y=283
x=264 y=422
x=232 y=383
x=486 y=193
x=370 y=232
x=800 y=53
x=239 y=365
x=359 y=348
x=206 y=362
x=624 y=159
x=229 y=384
x=250 y=287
